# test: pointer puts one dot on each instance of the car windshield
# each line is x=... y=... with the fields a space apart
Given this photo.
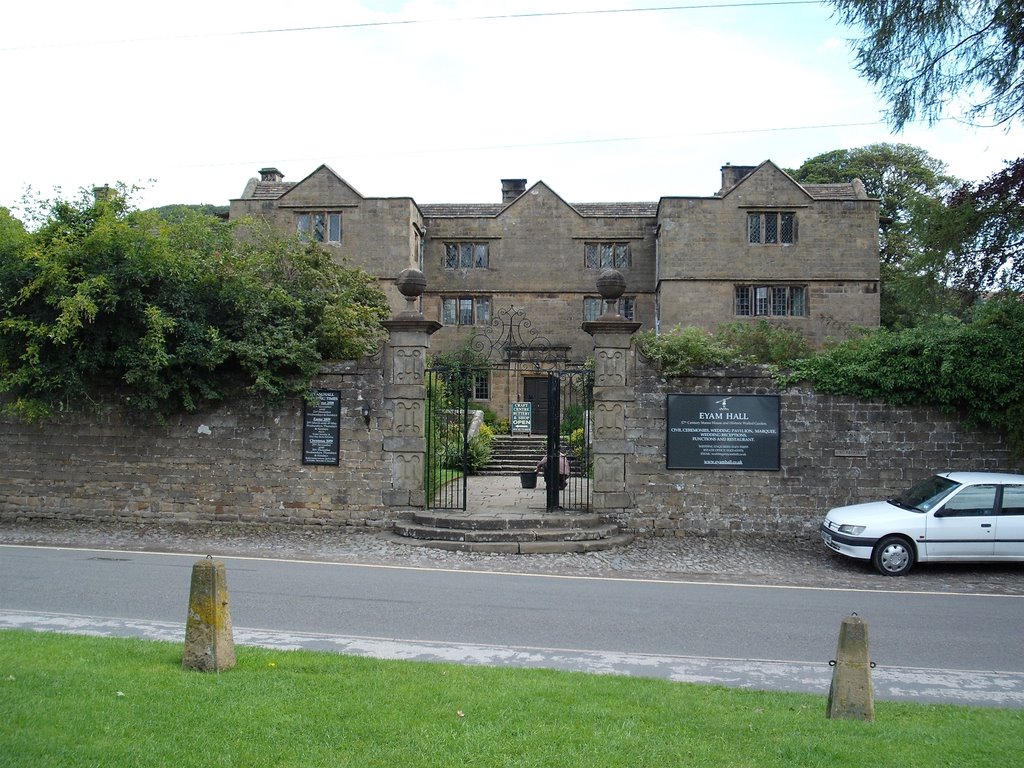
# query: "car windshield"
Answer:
x=926 y=494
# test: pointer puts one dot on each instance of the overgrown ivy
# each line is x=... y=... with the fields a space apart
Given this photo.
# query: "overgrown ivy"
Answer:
x=173 y=315
x=973 y=368
x=685 y=349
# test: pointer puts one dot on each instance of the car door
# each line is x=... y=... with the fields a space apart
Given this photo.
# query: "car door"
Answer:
x=1009 y=533
x=964 y=526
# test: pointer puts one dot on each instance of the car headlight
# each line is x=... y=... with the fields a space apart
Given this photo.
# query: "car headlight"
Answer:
x=853 y=530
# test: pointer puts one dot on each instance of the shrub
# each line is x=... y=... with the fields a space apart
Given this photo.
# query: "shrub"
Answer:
x=682 y=350
x=763 y=342
x=975 y=368
x=174 y=315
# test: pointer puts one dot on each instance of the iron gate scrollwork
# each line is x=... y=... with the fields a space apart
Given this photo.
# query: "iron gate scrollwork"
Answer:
x=508 y=341
x=510 y=338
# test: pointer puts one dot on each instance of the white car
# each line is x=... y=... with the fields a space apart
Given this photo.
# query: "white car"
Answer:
x=950 y=517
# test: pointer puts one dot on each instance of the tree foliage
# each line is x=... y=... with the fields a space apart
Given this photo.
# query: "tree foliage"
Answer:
x=926 y=55
x=172 y=314
x=911 y=186
x=980 y=235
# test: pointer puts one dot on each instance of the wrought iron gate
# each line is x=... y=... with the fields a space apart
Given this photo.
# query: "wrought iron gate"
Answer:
x=509 y=342
x=447 y=428
x=569 y=459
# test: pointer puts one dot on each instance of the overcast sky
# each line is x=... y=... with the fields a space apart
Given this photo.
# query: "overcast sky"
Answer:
x=429 y=99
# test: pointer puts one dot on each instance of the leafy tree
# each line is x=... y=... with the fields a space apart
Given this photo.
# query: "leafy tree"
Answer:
x=981 y=231
x=924 y=55
x=174 y=315
x=177 y=212
x=910 y=186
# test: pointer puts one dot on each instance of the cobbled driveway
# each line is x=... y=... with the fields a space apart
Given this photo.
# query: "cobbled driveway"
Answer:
x=785 y=562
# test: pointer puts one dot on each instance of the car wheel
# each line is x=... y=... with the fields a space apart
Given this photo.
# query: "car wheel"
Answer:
x=893 y=556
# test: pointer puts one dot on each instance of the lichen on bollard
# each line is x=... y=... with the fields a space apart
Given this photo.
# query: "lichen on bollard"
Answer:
x=209 y=642
x=850 y=696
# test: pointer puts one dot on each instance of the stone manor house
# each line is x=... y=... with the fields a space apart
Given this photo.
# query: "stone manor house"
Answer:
x=764 y=246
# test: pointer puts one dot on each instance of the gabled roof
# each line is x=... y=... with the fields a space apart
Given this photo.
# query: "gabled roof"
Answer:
x=767 y=167
x=847 y=190
x=265 y=190
x=335 y=182
x=850 y=190
x=491 y=210
x=258 y=189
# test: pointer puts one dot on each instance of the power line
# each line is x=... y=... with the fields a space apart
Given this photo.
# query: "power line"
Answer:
x=410 y=22
x=560 y=143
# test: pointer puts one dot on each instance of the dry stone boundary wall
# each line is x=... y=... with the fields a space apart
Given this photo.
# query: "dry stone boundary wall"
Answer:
x=242 y=464
x=833 y=451
x=237 y=464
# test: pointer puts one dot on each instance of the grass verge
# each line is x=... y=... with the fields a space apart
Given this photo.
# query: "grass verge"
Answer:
x=82 y=701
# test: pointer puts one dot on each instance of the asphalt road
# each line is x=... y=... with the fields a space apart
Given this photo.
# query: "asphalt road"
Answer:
x=605 y=624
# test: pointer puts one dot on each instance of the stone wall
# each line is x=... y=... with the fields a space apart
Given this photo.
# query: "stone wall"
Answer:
x=242 y=464
x=833 y=451
x=238 y=463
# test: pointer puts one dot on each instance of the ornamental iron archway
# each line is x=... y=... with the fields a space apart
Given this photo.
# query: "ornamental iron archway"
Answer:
x=511 y=343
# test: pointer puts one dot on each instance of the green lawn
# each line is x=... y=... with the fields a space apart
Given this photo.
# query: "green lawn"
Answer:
x=80 y=701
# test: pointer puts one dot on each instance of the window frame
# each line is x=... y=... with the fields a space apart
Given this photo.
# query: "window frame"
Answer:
x=626 y=306
x=607 y=254
x=772 y=228
x=455 y=309
x=481 y=385
x=466 y=254
x=329 y=223
x=765 y=299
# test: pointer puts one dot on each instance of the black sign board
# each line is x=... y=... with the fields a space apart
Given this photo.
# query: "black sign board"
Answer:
x=321 y=422
x=522 y=417
x=722 y=432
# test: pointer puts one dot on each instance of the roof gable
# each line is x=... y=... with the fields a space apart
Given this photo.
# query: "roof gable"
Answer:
x=767 y=185
x=540 y=195
x=323 y=187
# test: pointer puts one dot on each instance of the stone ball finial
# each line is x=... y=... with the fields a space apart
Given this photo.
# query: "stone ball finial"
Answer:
x=411 y=283
x=611 y=284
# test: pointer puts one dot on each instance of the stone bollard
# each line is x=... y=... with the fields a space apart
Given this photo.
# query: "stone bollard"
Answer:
x=209 y=644
x=850 y=696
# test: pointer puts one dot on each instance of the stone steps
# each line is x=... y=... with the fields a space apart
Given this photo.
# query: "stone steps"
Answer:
x=510 y=533
x=512 y=454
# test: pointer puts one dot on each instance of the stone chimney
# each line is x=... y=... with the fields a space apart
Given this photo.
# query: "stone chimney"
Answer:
x=271 y=174
x=511 y=189
x=734 y=174
x=103 y=193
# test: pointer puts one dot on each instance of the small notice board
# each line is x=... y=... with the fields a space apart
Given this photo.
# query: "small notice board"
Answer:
x=321 y=425
x=521 y=418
